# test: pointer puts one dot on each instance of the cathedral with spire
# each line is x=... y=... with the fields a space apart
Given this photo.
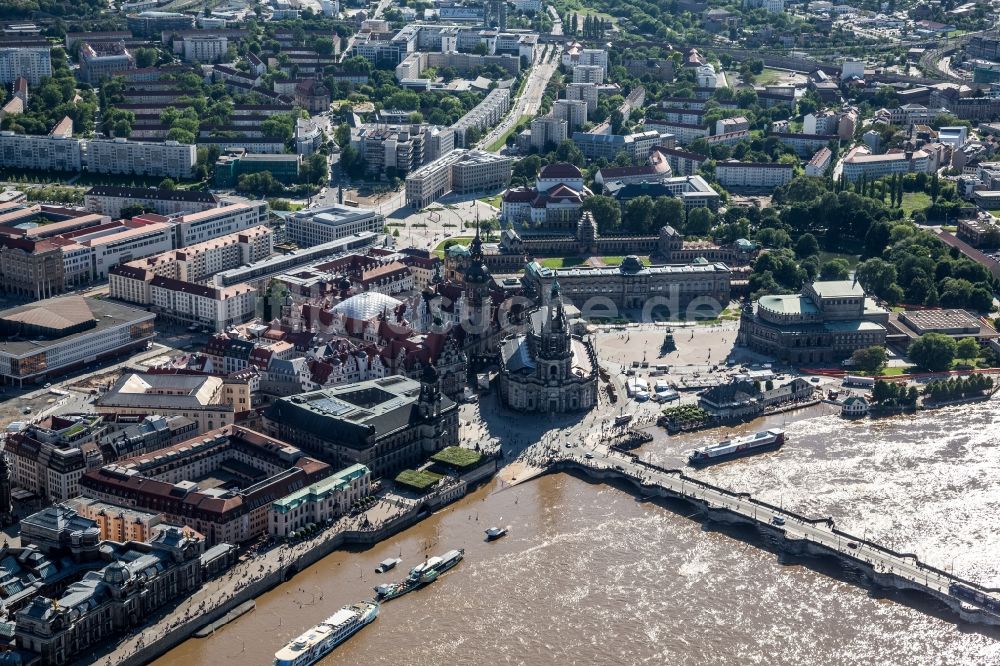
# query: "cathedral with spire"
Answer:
x=548 y=369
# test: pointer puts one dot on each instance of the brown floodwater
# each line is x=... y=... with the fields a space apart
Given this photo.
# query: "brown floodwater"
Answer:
x=590 y=575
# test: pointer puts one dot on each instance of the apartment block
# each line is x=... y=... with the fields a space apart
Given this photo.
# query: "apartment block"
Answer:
x=586 y=92
x=168 y=159
x=484 y=115
x=588 y=74
x=205 y=48
x=27 y=57
x=547 y=130
x=574 y=112
x=753 y=175
x=43 y=153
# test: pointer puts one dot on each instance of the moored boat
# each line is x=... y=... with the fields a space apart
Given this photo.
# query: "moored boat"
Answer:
x=737 y=447
x=320 y=640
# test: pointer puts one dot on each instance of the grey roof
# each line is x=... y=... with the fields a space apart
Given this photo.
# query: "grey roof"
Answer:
x=838 y=288
x=351 y=413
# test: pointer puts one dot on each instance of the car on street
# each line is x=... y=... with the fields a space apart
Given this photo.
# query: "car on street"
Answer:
x=777 y=520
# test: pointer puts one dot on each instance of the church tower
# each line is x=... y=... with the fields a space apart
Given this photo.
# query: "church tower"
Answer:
x=555 y=353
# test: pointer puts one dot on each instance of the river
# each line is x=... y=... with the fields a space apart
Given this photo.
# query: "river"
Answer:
x=590 y=575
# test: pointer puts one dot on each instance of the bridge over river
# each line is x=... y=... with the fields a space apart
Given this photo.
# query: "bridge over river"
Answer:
x=790 y=532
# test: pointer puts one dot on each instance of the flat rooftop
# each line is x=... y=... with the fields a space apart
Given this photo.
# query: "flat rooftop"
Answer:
x=106 y=315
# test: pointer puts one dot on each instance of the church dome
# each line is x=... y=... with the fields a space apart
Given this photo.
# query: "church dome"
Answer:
x=366 y=306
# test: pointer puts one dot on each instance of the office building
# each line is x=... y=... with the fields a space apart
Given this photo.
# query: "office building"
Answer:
x=315 y=226
x=462 y=171
x=319 y=502
x=180 y=482
x=111 y=200
x=101 y=60
x=860 y=163
x=211 y=402
x=229 y=168
x=636 y=146
x=384 y=424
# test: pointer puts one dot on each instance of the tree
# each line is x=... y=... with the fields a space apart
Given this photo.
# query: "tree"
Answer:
x=933 y=351
x=967 y=348
x=877 y=276
x=870 y=360
x=145 y=58
x=806 y=246
x=769 y=237
x=835 y=269
x=699 y=221
x=168 y=184
x=607 y=214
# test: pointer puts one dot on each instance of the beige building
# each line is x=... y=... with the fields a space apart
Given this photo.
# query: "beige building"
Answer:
x=118 y=523
x=212 y=402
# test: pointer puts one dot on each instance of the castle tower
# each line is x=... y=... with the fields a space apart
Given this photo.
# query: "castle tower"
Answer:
x=430 y=392
x=477 y=290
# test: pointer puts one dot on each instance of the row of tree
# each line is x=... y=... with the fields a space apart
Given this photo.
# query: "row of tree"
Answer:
x=894 y=394
x=958 y=387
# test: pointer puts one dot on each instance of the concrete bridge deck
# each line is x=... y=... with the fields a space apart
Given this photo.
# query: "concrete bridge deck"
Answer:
x=790 y=532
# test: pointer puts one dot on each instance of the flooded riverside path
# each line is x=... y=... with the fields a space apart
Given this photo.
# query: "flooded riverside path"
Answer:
x=590 y=575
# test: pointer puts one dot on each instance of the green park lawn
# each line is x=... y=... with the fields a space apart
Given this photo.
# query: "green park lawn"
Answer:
x=456 y=456
x=915 y=201
x=420 y=481
x=560 y=262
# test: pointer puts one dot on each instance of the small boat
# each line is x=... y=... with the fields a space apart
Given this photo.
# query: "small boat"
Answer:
x=388 y=591
x=494 y=533
x=386 y=565
x=429 y=571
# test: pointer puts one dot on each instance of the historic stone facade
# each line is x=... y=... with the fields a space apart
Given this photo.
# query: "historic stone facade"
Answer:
x=827 y=321
x=668 y=245
x=659 y=291
x=548 y=369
